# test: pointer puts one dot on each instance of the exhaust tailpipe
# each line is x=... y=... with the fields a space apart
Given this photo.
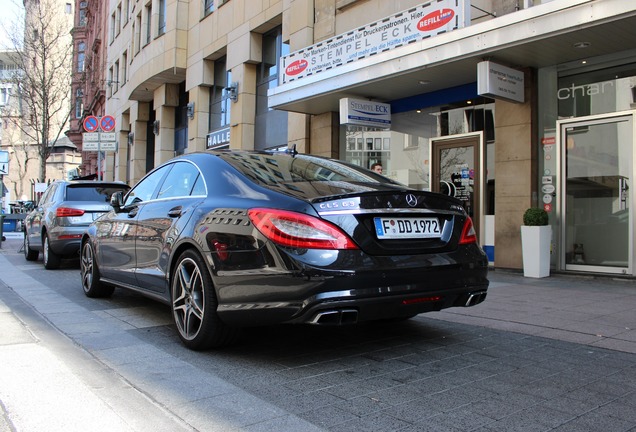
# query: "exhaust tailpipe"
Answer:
x=475 y=298
x=335 y=317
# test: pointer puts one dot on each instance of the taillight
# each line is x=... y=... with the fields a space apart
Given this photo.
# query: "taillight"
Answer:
x=299 y=230
x=468 y=232
x=68 y=212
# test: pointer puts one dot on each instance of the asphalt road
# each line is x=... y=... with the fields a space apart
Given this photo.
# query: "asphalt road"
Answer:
x=72 y=363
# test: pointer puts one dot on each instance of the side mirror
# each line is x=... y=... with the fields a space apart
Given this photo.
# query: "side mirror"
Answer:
x=117 y=200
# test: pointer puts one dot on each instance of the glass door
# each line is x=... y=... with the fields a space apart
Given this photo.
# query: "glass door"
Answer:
x=598 y=171
x=456 y=171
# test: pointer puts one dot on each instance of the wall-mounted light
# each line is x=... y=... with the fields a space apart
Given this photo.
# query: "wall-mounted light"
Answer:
x=155 y=127
x=232 y=91
x=190 y=110
x=131 y=138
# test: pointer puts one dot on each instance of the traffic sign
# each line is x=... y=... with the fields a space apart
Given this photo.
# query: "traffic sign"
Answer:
x=91 y=124
x=90 y=137
x=99 y=146
x=107 y=123
x=98 y=136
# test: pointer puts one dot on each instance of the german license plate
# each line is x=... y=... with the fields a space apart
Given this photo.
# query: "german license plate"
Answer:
x=407 y=228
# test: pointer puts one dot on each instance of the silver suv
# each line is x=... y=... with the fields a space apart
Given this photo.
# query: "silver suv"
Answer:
x=66 y=209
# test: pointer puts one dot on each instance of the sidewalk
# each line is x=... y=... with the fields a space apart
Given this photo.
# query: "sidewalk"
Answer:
x=74 y=366
x=597 y=311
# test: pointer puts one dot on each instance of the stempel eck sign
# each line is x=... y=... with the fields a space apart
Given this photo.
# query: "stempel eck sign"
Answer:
x=429 y=19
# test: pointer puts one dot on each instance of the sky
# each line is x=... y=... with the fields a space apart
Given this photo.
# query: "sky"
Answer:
x=11 y=11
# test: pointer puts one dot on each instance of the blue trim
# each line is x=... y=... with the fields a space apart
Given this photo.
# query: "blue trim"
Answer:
x=440 y=97
x=490 y=252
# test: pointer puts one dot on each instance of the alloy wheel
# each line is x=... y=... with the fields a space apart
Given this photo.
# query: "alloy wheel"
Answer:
x=188 y=294
x=86 y=266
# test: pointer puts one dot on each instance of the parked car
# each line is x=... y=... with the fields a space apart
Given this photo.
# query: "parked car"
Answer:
x=231 y=239
x=66 y=208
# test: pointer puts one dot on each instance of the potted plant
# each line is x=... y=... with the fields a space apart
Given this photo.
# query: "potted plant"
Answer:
x=536 y=236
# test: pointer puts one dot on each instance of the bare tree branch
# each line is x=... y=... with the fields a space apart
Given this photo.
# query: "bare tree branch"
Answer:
x=42 y=82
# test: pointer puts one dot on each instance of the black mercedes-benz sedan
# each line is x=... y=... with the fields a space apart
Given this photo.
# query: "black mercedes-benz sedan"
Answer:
x=232 y=239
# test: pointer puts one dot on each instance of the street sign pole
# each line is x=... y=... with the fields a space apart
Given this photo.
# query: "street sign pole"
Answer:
x=99 y=154
x=98 y=129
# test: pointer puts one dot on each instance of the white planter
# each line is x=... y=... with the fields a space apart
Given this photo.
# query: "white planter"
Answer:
x=535 y=244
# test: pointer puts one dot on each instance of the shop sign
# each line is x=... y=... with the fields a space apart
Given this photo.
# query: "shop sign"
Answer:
x=358 y=112
x=420 y=22
x=218 y=138
x=499 y=82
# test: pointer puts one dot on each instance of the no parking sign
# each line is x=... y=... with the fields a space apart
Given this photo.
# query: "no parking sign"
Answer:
x=91 y=124
x=107 y=123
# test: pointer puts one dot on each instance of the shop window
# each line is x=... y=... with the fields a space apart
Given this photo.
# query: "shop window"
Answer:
x=366 y=146
x=271 y=125
x=181 y=122
x=220 y=102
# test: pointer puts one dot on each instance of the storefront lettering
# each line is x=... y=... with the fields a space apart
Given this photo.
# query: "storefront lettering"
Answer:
x=217 y=138
x=405 y=27
x=584 y=90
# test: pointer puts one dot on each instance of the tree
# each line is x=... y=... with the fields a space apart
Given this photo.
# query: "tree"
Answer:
x=44 y=58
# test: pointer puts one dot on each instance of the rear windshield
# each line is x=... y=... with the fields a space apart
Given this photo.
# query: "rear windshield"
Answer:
x=270 y=169
x=92 y=192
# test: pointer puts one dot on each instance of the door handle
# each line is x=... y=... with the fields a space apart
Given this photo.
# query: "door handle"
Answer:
x=175 y=212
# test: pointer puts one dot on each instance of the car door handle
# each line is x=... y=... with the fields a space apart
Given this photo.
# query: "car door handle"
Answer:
x=133 y=212
x=175 y=211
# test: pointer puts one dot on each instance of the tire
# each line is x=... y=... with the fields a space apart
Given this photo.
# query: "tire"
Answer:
x=29 y=254
x=89 y=271
x=194 y=305
x=51 y=259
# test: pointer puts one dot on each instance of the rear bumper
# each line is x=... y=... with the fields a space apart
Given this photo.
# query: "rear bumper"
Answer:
x=66 y=240
x=352 y=299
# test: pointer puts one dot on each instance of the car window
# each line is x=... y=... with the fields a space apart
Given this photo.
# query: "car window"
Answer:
x=146 y=187
x=48 y=194
x=92 y=192
x=273 y=169
x=180 y=181
x=199 y=187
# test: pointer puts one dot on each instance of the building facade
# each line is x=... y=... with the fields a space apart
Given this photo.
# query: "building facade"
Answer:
x=34 y=100
x=504 y=104
x=88 y=88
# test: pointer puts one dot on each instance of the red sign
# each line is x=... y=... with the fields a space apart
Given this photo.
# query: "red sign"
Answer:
x=435 y=20
x=547 y=207
x=548 y=140
x=91 y=124
x=107 y=123
x=296 y=67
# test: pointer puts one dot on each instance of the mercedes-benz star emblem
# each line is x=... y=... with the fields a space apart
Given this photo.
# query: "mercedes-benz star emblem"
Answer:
x=411 y=200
